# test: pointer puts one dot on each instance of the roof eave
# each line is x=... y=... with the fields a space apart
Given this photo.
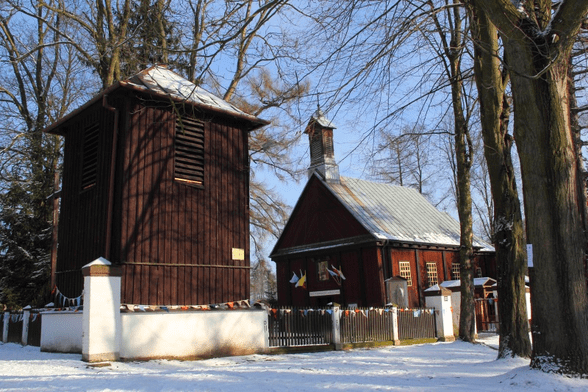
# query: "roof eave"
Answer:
x=53 y=128
x=255 y=122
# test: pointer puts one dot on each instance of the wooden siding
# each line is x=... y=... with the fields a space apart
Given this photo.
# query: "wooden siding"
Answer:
x=398 y=255
x=375 y=294
x=318 y=217
x=177 y=239
x=82 y=222
x=364 y=269
x=353 y=286
x=173 y=240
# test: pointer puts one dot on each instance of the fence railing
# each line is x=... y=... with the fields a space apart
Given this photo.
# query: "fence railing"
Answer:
x=22 y=327
x=416 y=324
x=486 y=314
x=299 y=327
x=290 y=327
x=367 y=325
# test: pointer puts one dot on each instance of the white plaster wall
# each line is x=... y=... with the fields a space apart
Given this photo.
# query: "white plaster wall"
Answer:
x=61 y=332
x=192 y=334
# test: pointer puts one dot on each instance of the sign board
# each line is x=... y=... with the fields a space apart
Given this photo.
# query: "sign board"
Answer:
x=324 y=293
x=238 y=254
x=530 y=255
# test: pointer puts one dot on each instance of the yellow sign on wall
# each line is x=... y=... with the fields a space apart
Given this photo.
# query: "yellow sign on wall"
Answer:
x=238 y=254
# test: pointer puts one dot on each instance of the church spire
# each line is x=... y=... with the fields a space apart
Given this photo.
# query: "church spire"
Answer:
x=322 y=153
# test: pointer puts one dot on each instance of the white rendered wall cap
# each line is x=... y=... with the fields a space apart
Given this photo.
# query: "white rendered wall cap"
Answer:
x=98 y=261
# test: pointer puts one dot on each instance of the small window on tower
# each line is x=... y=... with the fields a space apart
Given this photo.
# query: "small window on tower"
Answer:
x=316 y=146
x=328 y=143
x=189 y=152
x=90 y=156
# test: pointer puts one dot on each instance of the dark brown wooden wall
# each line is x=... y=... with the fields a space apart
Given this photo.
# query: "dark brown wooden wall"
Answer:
x=364 y=269
x=319 y=217
x=363 y=286
x=173 y=240
x=82 y=220
x=176 y=240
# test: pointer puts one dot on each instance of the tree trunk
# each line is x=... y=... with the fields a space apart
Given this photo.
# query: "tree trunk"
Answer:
x=453 y=49
x=509 y=237
x=538 y=52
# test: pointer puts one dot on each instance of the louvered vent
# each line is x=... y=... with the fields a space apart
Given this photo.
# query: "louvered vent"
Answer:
x=90 y=156
x=189 y=151
x=316 y=148
x=328 y=142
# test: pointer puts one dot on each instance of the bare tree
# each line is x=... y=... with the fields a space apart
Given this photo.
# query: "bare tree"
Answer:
x=538 y=37
x=37 y=86
x=508 y=236
x=407 y=158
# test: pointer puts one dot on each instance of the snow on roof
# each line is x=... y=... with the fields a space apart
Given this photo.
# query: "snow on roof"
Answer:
x=320 y=118
x=398 y=213
x=477 y=282
x=162 y=81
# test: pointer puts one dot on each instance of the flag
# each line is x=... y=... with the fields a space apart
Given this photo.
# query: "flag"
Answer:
x=295 y=278
x=302 y=281
x=338 y=272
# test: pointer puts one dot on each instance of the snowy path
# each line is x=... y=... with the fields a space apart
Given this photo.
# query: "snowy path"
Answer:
x=433 y=367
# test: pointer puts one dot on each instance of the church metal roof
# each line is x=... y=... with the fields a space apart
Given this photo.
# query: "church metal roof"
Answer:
x=397 y=213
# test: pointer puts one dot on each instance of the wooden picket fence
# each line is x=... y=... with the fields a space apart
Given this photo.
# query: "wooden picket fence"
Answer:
x=366 y=325
x=15 y=326
x=416 y=324
x=290 y=327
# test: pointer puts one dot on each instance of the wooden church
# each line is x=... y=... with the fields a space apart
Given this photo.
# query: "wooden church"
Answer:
x=351 y=241
x=156 y=180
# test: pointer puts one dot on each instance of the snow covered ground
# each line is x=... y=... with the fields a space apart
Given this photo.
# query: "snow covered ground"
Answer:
x=452 y=367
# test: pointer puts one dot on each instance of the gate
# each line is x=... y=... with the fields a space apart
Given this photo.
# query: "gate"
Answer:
x=486 y=314
x=416 y=324
x=300 y=327
x=367 y=325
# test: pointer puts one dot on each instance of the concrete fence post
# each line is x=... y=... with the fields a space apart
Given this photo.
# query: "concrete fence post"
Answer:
x=26 y=316
x=395 y=335
x=440 y=299
x=336 y=318
x=101 y=325
x=5 y=327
